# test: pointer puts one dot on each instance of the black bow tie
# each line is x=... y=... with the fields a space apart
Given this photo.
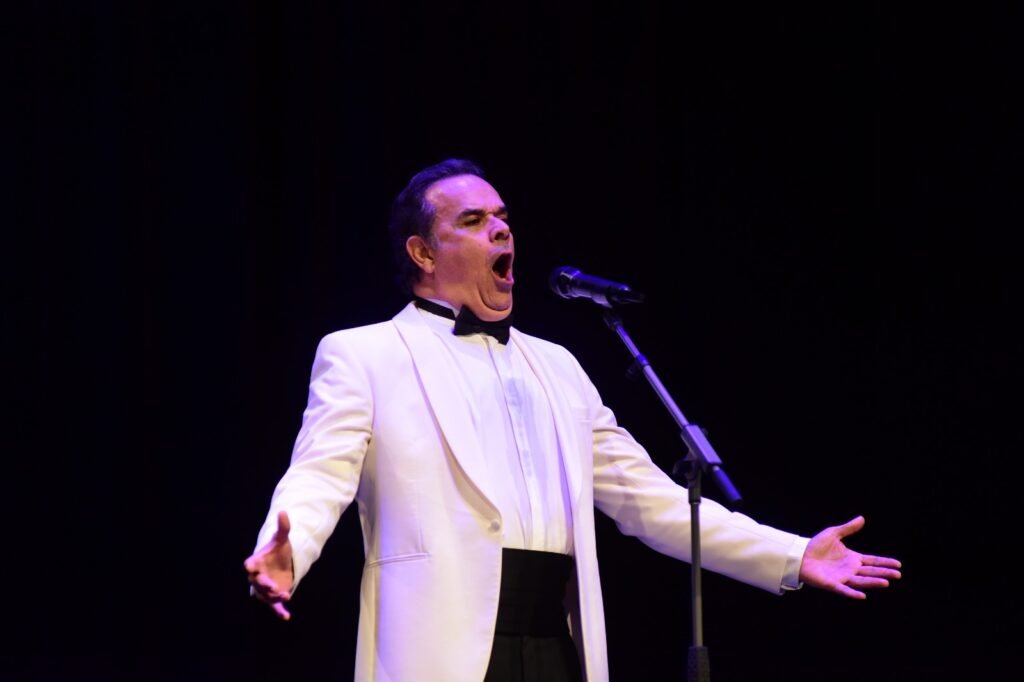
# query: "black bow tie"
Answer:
x=468 y=323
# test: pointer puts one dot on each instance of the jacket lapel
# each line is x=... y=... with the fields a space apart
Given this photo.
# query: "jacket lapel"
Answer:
x=450 y=405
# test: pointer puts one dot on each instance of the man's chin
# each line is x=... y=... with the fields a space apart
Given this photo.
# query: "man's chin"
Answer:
x=494 y=310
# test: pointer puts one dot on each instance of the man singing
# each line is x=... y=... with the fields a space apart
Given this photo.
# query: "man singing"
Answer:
x=477 y=454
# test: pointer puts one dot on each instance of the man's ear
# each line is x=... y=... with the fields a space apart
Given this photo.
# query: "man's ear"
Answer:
x=422 y=255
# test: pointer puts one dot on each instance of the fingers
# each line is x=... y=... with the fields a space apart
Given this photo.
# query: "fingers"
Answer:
x=852 y=586
x=879 y=572
x=263 y=582
x=276 y=601
x=255 y=566
x=266 y=590
x=866 y=578
x=887 y=562
x=271 y=597
x=848 y=591
x=260 y=565
x=867 y=582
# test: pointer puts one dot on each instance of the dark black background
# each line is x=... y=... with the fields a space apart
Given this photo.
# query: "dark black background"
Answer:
x=819 y=202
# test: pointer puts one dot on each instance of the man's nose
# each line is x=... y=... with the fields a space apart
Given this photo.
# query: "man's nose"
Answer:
x=500 y=231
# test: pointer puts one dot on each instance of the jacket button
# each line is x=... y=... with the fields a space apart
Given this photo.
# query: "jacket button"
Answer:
x=495 y=526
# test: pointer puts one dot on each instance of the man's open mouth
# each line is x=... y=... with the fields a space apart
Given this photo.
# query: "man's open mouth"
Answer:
x=503 y=266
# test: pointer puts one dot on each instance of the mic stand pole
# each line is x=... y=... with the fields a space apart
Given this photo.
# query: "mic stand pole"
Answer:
x=700 y=458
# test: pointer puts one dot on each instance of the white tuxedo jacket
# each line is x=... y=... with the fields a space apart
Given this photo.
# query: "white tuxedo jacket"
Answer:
x=387 y=426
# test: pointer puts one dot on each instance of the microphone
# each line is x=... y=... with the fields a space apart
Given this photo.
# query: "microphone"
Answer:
x=569 y=282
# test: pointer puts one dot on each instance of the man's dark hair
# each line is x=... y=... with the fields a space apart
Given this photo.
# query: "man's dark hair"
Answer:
x=412 y=214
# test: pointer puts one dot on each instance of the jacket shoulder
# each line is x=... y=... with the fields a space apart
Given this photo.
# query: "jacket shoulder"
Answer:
x=543 y=345
x=368 y=342
x=367 y=332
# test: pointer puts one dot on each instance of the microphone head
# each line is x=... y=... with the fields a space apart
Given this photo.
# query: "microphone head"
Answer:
x=560 y=279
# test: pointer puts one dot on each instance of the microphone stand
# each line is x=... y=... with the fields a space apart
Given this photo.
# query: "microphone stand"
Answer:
x=700 y=459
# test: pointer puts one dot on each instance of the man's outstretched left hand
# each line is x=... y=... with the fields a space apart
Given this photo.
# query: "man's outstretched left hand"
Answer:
x=830 y=565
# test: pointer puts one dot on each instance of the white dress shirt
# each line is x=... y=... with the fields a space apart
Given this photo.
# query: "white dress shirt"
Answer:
x=517 y=437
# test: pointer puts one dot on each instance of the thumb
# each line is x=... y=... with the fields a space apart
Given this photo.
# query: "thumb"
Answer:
x=850 y=527
x=284 y=526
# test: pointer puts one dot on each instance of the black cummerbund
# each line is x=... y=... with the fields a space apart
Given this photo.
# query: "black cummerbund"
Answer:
x=532 y=592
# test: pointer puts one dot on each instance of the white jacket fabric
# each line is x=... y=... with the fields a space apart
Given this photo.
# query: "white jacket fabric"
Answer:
x=387 y=426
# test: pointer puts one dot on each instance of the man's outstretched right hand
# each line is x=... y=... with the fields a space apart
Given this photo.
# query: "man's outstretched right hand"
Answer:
x=270 y=569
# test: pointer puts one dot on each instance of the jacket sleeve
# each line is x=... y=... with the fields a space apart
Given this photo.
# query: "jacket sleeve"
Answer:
x=327 y=458
x=646 y=503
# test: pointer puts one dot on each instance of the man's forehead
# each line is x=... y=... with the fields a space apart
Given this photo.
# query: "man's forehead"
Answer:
x=463 y=192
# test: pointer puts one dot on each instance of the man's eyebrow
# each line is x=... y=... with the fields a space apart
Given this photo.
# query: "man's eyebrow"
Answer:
x=479 y=212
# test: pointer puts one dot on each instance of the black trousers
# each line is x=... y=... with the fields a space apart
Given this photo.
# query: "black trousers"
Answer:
x=532 y=642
